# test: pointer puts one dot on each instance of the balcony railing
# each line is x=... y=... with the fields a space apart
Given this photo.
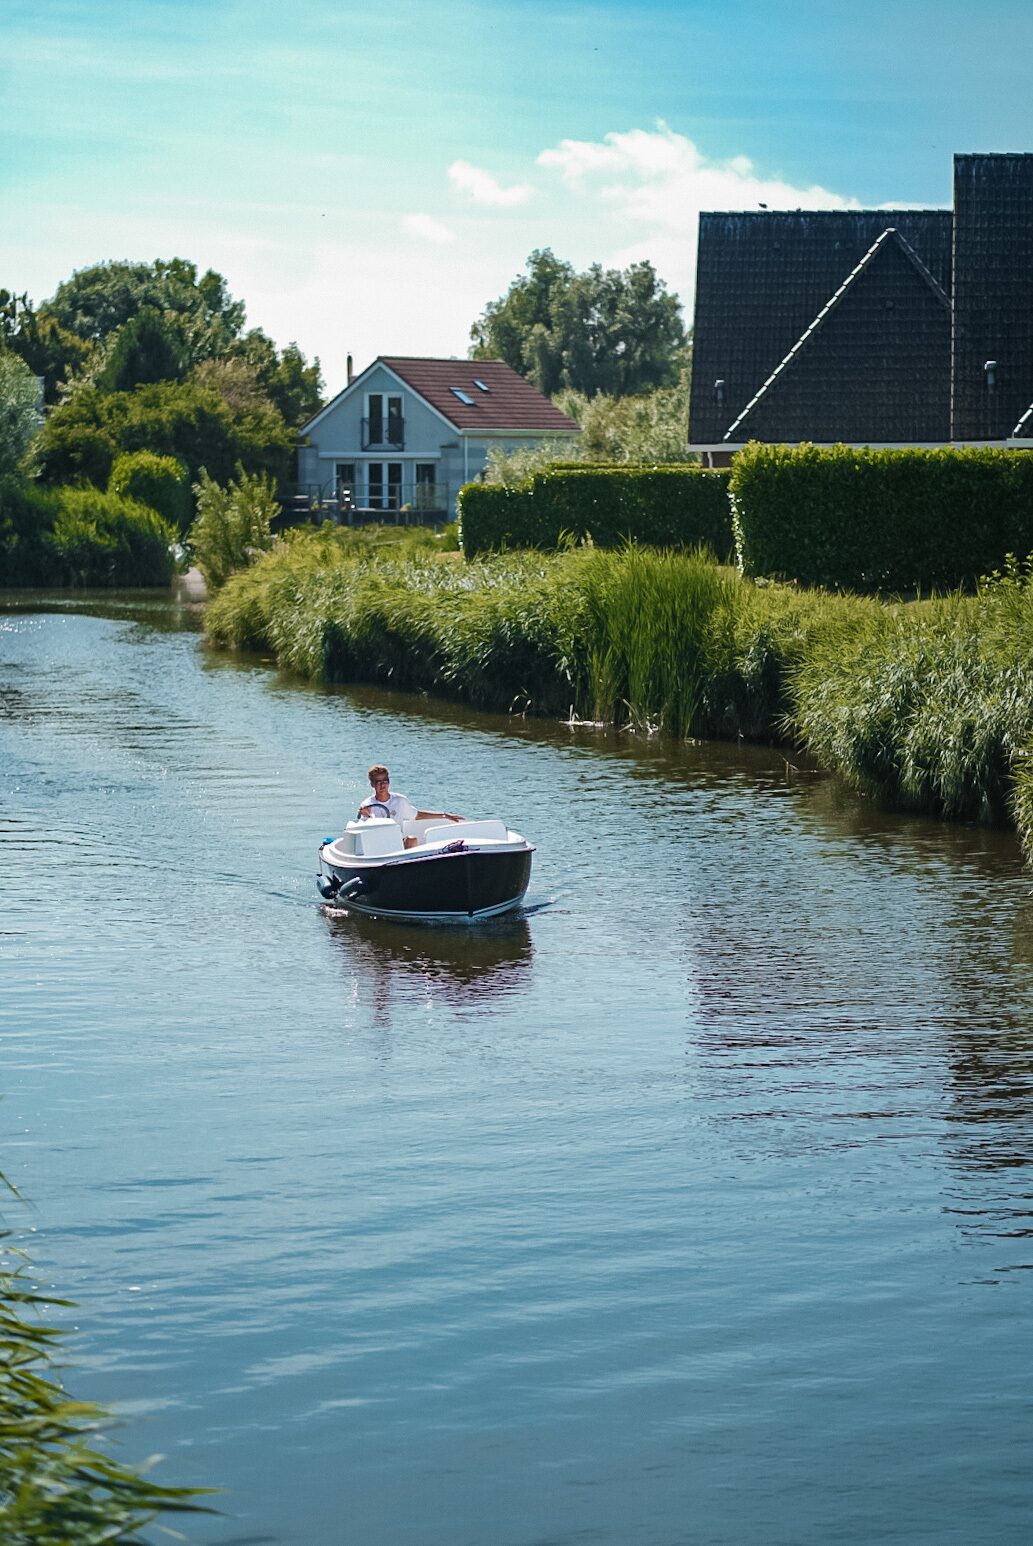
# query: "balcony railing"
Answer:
x=383 y=434
x=394 y=504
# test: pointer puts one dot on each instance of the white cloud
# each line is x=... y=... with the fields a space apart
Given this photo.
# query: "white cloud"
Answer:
x=424 y=228
x=648 y=188
x=481 y=188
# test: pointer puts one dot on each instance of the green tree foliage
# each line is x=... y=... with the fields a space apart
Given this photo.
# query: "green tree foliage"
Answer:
x=27 y=516
x=82 y=437
x=233 y=524
x=104 y=540
x=160 y=482
x=95 y=302
x=292 y=386
x=606 y=330
x=19 y=411
x=146 y=349
x=48 y=349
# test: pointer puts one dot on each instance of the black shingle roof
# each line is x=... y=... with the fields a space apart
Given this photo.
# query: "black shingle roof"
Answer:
x=993 y=294
x=761 y=281
x=870 y=325
x=886 y=332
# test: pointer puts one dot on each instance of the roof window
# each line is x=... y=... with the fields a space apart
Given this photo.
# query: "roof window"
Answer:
x=480 y=384
x=462 y=396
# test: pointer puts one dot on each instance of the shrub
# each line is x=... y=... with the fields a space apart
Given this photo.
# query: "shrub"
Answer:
x=82 y=437
x=27 y=515
x=662 y=506
x=104 y=540
x=162 y=482
x=880 y=520
x=233 y=524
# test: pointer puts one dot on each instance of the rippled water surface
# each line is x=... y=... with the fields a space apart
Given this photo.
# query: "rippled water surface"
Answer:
x=693 y=1205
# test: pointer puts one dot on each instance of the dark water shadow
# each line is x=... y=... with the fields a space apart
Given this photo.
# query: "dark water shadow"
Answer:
x=458 y=966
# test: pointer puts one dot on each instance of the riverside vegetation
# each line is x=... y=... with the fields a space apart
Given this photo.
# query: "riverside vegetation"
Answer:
x=927 y=705
x=57 y=1486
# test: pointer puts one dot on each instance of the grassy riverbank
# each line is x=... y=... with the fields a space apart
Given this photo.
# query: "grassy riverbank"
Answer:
x=925 y=705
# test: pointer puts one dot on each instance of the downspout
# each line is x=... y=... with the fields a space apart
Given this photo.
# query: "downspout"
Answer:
x=466 y=458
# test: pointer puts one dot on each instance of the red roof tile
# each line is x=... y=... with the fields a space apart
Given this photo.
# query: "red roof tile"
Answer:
x=509 y=403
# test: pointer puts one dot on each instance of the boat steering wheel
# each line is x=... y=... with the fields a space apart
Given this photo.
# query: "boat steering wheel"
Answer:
x=379 y=805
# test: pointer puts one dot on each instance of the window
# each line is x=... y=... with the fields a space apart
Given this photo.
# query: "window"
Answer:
x=385 y=485
x=425 y=492
x=463 y=397
x=481 y=385
x=384 y=423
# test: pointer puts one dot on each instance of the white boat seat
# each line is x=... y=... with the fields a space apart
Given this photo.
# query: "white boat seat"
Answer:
x=369 y=839
x=487 y=830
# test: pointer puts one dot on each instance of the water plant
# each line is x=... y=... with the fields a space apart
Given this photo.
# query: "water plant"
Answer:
x=58 y=1485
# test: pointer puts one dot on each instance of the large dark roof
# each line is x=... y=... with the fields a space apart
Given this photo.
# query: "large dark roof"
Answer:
x=993 y=294
x=510 y=403
x=762 y=280
x=887 y=332
x=870 y=325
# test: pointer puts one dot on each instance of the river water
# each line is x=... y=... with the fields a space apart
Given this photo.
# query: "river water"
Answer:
x=692 y=1205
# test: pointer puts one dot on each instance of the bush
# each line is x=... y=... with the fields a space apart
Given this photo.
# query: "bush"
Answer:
x=880 y=520
x=663 y=506
x=105 y=540
x=27 y=515
x=233 y=524
x=162 y=482
x=82 y=438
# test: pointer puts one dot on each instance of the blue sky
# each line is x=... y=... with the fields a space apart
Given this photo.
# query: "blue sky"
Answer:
x=368 y=177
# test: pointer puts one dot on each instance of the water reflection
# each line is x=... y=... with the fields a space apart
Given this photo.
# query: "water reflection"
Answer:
x=388 y=963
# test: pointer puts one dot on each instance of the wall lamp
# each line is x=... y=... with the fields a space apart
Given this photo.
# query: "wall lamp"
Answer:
x=990 y=374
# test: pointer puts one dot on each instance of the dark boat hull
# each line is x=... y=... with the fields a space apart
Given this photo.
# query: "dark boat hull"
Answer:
x=457 y=886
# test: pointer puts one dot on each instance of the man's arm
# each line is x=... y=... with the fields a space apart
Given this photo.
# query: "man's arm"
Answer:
x=438 y=816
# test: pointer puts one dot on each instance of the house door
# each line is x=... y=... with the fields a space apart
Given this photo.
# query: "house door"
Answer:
x=385 y=485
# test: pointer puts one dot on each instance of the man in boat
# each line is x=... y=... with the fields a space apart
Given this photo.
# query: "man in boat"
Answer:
x=398 y=806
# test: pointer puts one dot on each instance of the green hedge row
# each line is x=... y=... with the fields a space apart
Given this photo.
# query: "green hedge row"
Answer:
x=80 y=536
x=866 y=520
x=661 y=506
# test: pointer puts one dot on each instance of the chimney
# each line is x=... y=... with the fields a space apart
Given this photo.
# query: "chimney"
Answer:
x=351 y=372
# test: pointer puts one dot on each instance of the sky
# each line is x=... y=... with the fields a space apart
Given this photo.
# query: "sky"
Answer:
x=368 y=177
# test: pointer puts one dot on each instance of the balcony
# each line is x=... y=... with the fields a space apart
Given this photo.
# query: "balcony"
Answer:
x=395 y=504
x=383 y=434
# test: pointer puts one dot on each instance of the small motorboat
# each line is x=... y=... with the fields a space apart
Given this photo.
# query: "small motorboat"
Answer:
x=454 y=872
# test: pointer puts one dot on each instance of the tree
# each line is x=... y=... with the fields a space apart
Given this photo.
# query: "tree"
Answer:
x=82 y=437
x=293 y=386
x=606 y=330
x=20 y=417
x=48 y=349
x=97 y=301
x=146 y=349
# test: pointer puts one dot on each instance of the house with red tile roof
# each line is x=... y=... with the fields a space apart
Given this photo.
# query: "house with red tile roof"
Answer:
x=407 y=433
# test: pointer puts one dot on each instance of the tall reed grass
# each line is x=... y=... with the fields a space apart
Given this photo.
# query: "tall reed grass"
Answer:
x=925 y=705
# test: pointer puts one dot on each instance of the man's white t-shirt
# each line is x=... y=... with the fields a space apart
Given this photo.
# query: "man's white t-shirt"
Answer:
x=399 y=805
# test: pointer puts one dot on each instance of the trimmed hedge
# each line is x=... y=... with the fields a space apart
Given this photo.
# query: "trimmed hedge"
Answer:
x=864 y=520
x=674 y=507
x=162 y=482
